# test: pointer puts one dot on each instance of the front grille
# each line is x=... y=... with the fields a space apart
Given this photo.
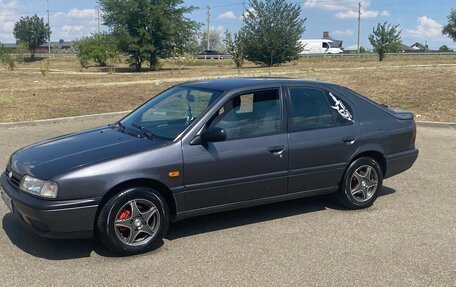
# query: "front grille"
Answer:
x=15 y=179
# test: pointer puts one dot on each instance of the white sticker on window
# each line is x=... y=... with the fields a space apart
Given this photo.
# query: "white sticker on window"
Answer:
x=340 y=108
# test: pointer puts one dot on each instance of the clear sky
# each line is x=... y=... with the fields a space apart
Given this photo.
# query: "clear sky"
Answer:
x=420 y=20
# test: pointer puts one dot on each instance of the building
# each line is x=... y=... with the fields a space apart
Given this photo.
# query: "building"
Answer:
x=43 y=49
x=337 y=43
x=415 y=48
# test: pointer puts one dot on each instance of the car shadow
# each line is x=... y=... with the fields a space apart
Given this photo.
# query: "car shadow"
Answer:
x=53 y=249
x=252 y=215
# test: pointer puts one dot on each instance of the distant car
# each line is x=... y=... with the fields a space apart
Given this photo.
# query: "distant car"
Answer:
x=212 y=54
x=205 y=147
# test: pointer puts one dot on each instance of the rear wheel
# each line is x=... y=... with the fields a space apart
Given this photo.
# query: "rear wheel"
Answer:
x=361 y=183
x=133 y=221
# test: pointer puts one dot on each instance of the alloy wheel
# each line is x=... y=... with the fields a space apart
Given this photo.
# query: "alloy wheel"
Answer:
x=137 y=222
x=364 y=183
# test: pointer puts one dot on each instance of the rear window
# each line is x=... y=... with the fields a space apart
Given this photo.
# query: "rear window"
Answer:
x=313 y=108
x=341 y=111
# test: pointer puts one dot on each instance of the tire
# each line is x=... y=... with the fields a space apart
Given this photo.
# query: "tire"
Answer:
x=359 y=189
x=133 y=221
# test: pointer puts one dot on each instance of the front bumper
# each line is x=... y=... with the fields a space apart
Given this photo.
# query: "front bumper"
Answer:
x=51 y=218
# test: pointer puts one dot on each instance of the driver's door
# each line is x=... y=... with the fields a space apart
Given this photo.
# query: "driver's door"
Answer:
x=252 y=163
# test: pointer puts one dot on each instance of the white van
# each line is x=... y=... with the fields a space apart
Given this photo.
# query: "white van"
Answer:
x=319 y=46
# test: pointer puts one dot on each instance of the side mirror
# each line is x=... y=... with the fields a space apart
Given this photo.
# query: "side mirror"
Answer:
x=210 y=135
x=213 y=135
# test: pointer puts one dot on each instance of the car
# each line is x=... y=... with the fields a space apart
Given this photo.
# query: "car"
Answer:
x=319 y=46
x=203 y=147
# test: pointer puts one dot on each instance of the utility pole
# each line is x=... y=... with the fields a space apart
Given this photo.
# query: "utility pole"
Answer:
x=243 y=13
x=208 y=27
x=98 y=18
x=359 y=24
x=49 y=36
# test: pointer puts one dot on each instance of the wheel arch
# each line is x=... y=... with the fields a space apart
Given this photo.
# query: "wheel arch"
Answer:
x=140 y=182
x=377 y=155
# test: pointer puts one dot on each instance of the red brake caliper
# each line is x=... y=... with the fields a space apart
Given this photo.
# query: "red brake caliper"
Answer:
x=124 y=214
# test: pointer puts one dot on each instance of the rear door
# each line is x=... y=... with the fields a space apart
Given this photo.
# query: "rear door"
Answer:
x=323 y=137
x=252 y=163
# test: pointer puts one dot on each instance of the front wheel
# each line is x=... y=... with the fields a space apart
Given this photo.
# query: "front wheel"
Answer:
x=361 y=184
x=133 y=221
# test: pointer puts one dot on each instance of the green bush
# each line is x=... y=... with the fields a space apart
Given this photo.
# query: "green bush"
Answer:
x=99 y=48
x=44 y=68
x=6 y=59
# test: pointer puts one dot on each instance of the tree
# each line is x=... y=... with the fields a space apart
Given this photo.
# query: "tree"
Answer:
x=444 y=49
x=6 y=59
x=385 y=38
x=450 y=28
x=149 y=29
x=272 y=31
x=32 y=31
x=99 y=48
x=234 y=47
x=363 y=50
x=215 y=41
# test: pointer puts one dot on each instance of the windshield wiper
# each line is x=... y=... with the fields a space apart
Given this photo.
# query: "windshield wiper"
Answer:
x=117 y=126
x=150 y=135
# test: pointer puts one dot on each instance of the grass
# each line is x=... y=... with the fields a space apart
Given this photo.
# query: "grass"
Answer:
x=425 y=85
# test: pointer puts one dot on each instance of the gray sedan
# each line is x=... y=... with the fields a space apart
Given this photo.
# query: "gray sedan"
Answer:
x=205 y=147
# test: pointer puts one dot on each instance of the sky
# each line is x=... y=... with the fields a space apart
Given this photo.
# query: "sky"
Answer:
x=419 y=20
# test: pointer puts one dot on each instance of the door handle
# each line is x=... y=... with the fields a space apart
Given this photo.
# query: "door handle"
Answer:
x=349 y=140
x=276 y=150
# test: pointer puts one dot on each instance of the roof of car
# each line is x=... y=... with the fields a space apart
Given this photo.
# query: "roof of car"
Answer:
x=227 y=84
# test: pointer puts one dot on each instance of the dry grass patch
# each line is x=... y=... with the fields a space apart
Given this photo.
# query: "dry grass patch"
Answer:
x=425 y=85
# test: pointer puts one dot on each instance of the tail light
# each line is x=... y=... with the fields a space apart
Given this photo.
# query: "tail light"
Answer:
x=412 y=142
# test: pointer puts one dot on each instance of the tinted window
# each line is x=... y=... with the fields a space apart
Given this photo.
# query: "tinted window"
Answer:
x=309 y=109
x=251 y=114
x=342 y=112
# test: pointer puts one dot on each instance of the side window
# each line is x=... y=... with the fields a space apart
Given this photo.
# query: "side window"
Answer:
x=309 y=109
x=325 y=45
x=341 y=111
x=251 y=114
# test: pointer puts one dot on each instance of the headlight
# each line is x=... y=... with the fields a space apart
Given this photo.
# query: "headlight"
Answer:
x=39 y=187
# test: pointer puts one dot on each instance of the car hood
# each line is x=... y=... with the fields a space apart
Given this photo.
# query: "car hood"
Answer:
x=55 y=156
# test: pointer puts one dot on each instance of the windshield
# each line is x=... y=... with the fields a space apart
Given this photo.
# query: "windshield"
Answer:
x=328 y=45
x=169 y=113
